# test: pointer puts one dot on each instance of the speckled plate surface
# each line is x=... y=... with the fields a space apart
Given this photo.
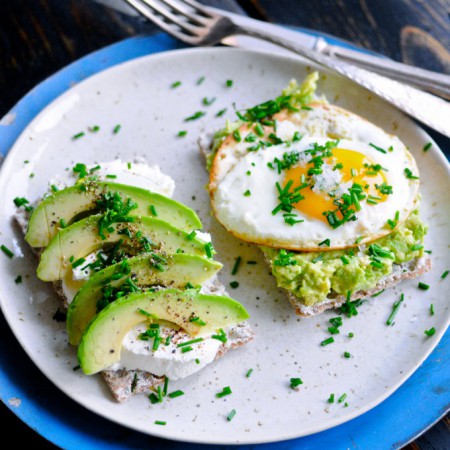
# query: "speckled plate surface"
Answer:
x=138 y=95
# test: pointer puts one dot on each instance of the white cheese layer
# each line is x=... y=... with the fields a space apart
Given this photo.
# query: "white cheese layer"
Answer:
x=136 y=173
x=168 y=360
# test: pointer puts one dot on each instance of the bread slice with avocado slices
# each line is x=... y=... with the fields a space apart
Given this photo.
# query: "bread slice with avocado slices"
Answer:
x=119 y=261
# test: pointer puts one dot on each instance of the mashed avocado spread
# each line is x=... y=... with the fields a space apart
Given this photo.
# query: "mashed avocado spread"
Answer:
x=312 y=276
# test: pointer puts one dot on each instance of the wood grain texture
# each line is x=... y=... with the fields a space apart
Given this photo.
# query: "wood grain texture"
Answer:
x=39 y=37
x=390 y=27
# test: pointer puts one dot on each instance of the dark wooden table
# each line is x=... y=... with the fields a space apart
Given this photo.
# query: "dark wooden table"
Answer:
x=38 y=37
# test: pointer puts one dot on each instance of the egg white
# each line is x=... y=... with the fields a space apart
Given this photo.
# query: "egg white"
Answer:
x=250 y=217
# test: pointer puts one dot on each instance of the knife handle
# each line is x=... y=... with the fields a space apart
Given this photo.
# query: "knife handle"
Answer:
x=427 y=108
x=435 y=82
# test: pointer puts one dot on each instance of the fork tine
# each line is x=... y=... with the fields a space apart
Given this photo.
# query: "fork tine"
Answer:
x=147 y=12
x=175 y=5
x=171 y=17
x=199 y=8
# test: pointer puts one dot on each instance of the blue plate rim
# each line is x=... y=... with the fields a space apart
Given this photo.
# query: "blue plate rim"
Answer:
x=66 y=433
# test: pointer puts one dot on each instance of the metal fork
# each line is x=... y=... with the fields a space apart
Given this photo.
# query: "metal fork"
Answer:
x=197 y=25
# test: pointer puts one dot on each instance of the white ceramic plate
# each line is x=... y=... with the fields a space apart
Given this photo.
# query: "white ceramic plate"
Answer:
x=138 y=95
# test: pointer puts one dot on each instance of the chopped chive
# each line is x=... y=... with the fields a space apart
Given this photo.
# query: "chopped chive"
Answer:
x=197 y=321
x=231 y=415
x=117 y=128
x=432 y=310
x=145 y=313
x=186 y=349
x=345 y=260
x=63 y=223
x=248 y=172
x=350 y=335
x=229 y=83
x=182 y=133
x=330 y=340
x=427 y=146
x=378 y=293
x=78 y=263
x=331 y=398
x=359 y=240
x=306 y=108
x=416 y=247
x=195 y=116
x=444 y=275
x=7 y=251
x=20 y=201
x=78 y=135
x=259 y=130
x=111 y=176
x=200 y=81
x=197 y=361
x=153 y=210
x=94 y=129
x=347 y=355
x=175 y=84
x=410 y=175
x=234 y=284
x=54 y=188
x=353 y=172
x=247 y=193
x=18 y=279
x=72 y=258
x=326 y=242
x=395 y=309
x=423 y=286
x=208 y=101
x=237 y=136
x=189 y=285
x=221 y=112
x=166 y=385
x=225 y=391
x=296 y=137
x=248 y=374
x=31 y=175
x=193 y=341
x=209 y=250
x=94 y=169
x=252 y=262
x=175 y=394
x=222 y=336
x=191 y=235
x=342 y=398
x=160 y=422
x=295 y=382
x=378 y=148
x=317 y=258
x=236 y=266
x=430 y=332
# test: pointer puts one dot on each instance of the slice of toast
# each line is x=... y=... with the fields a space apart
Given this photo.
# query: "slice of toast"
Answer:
x=125 y=383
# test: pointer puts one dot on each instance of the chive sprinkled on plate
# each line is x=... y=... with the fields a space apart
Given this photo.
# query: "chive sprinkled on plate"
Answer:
x=231 y=415
x=295 y=382
x=444 y=275
x=200 y=81
x=62 y=223
x=175 y=394
x=328 y=341
x=191 y=235
x=6 y=251
x=430 y=332
x=381 y=150
x=427 y=146
x=175 y=84
x=234 y=284
x=342 y=398
x=225 y=391
x=395 y=309
x=208 y=101
x=222 y=336
x=209 y=250
x=350 y=335
x=160 y=422
x=249 y=373
x=378 y=293
x=247 y=193
x=197 y=321
x=193 y=341
x=94 y=129
x=331 y=398
x=325 y=242
x=186 y=349
x=347 y=355
x=229 y=83
x=423 y=286
x=221 y=112
x=432 y=310
x=236 y=265
x=195 y=116
x=78 y=135
x=117 y=128
x=182 y=133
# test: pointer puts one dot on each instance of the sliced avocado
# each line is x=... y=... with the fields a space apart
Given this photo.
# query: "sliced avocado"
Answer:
x=178 y=271
x=67 y=204
x=82 y=238
x=100 y=346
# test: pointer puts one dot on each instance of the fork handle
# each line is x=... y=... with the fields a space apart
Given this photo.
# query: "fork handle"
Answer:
x=427 y=108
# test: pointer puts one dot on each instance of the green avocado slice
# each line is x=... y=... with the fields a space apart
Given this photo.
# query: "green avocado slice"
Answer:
x=82 y=238
x=179 y=270
x=100 y=346
x=66 y=205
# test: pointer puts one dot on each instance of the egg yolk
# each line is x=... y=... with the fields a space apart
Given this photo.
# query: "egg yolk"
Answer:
x=354 y=167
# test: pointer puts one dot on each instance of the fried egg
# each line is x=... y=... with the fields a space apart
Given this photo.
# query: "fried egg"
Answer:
x=322 y=178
